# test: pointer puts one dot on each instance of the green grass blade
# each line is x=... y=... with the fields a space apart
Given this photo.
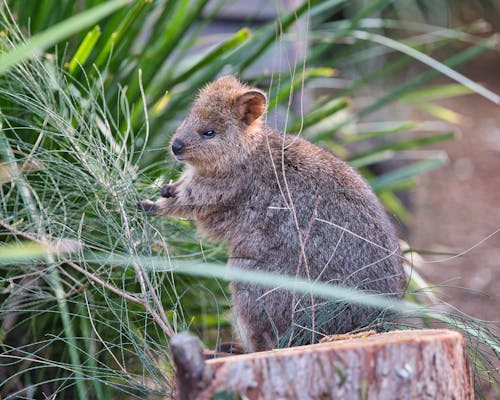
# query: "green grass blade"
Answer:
x=120 y=31
x=417 y=168
x=346 y=27
x=184 y=14
x=405 y=184
x=266 y=279
x=336 y=148
x=354 y=138
x=319 y=114
x=41 y=17
x=287 y=86
x=209 y=61
x=56 y=33
x=393 y=203
x=84 y=50
x=236 y=40
x=371 y=158
x=24 y=10
x=439 y=112
x=266 y=37
x=423 y=78
x=393 y=67
x=428 y=60
x=411 y=85
x=406 y=144
x=437 y=92
x=21 y=252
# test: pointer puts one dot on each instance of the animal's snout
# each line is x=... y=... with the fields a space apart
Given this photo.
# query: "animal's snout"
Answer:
x=178 y=147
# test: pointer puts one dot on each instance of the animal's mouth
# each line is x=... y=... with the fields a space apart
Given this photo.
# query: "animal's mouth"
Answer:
x=181 y=157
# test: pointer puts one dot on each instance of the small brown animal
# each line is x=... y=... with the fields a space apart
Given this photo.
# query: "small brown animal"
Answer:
x=283 y=205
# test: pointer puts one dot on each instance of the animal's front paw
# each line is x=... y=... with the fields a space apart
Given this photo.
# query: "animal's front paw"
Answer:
x=167 y=191
x=148 y=207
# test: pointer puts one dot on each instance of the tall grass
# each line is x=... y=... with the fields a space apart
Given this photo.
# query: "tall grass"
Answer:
x=91 y=290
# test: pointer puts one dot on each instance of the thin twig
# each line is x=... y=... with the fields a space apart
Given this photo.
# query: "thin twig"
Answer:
x=75 y=266
x=157 y=318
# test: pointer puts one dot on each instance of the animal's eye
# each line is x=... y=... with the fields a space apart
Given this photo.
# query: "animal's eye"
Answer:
x=208 y=134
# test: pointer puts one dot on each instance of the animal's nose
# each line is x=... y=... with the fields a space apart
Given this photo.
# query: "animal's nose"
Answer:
x=178 y=147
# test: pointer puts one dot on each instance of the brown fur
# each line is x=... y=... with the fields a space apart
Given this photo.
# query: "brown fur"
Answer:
x=282 y=205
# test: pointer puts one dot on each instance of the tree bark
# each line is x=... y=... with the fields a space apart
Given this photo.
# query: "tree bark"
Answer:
x=413 y=364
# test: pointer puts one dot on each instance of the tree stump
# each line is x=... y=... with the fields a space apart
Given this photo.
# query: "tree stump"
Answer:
x=412 y=364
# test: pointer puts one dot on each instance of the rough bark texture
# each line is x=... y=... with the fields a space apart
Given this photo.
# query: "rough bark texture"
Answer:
x=191 y=372
x=416 y=364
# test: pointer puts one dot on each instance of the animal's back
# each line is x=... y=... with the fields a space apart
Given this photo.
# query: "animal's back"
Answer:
x=311 y=215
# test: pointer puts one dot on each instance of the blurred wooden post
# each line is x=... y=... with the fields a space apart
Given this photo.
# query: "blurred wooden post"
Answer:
x=413 y=364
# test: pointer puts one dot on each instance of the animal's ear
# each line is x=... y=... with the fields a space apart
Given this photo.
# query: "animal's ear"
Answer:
x=251 y=105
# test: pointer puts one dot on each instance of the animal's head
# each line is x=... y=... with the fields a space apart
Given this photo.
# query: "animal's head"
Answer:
x=220 y=126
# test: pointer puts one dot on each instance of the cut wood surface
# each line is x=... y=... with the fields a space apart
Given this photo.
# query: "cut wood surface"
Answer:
x=412 y=364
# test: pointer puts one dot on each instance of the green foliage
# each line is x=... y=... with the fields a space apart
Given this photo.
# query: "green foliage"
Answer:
x=89 y=92
x=56 y=33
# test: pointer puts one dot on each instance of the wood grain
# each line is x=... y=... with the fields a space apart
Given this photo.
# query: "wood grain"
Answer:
x=413 y=364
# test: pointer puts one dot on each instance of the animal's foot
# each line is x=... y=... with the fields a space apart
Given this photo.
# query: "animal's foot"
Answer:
x=167 y=191
x=148 y=207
